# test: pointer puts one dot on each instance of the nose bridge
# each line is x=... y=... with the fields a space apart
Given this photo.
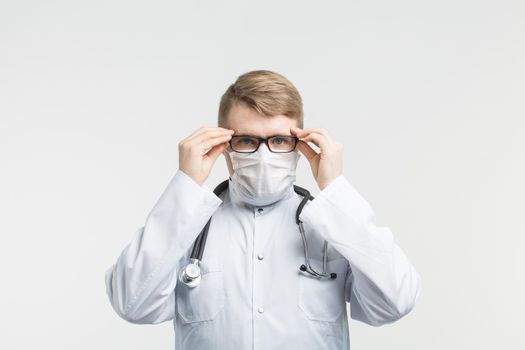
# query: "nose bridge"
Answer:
x=263 y=148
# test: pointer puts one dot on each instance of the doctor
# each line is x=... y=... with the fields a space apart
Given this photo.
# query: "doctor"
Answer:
x=252 y=292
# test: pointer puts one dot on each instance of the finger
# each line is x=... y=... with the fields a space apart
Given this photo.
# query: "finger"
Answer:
x=322 y=131
x=205 y=130
x=305 y=132
x=215 y=151
x=198 y=131
x=210 y=143
x=319 y=140
x=306 y=150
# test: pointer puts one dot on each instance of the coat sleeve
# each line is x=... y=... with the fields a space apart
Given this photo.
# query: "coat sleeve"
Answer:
x=383 y=284
x=141 y=284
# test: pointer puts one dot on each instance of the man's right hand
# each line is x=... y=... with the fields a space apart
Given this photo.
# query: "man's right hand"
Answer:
x=198 y=151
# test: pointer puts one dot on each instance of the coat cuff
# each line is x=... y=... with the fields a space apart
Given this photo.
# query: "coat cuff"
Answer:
x=191 y=188
x=184 y=205
x=340 y=197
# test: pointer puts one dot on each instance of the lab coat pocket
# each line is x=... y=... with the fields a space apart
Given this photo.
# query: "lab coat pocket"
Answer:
x=205 y=301
x=323 y=299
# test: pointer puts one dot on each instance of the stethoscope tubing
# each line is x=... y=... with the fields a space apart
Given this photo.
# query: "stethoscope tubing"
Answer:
x=191 y=274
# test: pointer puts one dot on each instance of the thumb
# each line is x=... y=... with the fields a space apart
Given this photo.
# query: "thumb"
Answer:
x=306 y=150
x=215 y=151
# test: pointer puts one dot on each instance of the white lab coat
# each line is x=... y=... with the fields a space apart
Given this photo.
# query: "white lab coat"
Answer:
x=252 y=294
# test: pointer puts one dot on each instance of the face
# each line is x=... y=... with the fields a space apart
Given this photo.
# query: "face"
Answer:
x=246 y=121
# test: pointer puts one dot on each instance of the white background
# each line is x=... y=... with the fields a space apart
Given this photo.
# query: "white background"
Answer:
x=427 y=98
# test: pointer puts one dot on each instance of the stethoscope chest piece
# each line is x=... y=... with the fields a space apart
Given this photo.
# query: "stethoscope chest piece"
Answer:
x=191 y=274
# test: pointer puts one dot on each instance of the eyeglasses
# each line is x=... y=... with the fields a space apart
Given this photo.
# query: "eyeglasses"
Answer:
x=250 y=144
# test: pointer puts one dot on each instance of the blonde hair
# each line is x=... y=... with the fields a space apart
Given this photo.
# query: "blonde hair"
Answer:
x=267 y=92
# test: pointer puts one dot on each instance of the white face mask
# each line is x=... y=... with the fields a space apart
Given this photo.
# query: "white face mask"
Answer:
x=263 y=177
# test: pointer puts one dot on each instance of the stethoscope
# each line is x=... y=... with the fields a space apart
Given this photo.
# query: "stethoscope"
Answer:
x=191 y=274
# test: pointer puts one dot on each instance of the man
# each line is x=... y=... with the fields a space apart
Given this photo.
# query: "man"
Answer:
x=253 y=294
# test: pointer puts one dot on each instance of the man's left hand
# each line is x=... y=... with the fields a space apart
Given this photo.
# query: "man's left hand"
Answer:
x=328 y=163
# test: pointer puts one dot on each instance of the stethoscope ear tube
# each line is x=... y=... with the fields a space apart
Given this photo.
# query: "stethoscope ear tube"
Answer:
x=308 y=268
x=190 y=275
x=306 y=197
x=303 y=268
x=200 y=241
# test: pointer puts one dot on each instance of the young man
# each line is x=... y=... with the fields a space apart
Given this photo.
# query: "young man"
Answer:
x=257 y=290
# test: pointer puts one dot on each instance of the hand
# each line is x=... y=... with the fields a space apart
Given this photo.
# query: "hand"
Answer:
x=326 y=165
x=198 y=151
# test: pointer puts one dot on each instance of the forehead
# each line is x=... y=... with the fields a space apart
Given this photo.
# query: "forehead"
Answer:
x=246 y=121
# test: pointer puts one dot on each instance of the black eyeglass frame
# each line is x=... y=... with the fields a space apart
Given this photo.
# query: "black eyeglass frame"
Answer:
x=260 y=139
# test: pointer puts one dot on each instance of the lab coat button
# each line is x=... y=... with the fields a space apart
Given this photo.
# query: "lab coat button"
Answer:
x=260 y=256
x=261 y=310
x=260 y=210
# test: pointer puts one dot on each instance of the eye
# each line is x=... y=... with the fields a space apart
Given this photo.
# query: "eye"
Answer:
x=280 y=140
x=247 y=140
